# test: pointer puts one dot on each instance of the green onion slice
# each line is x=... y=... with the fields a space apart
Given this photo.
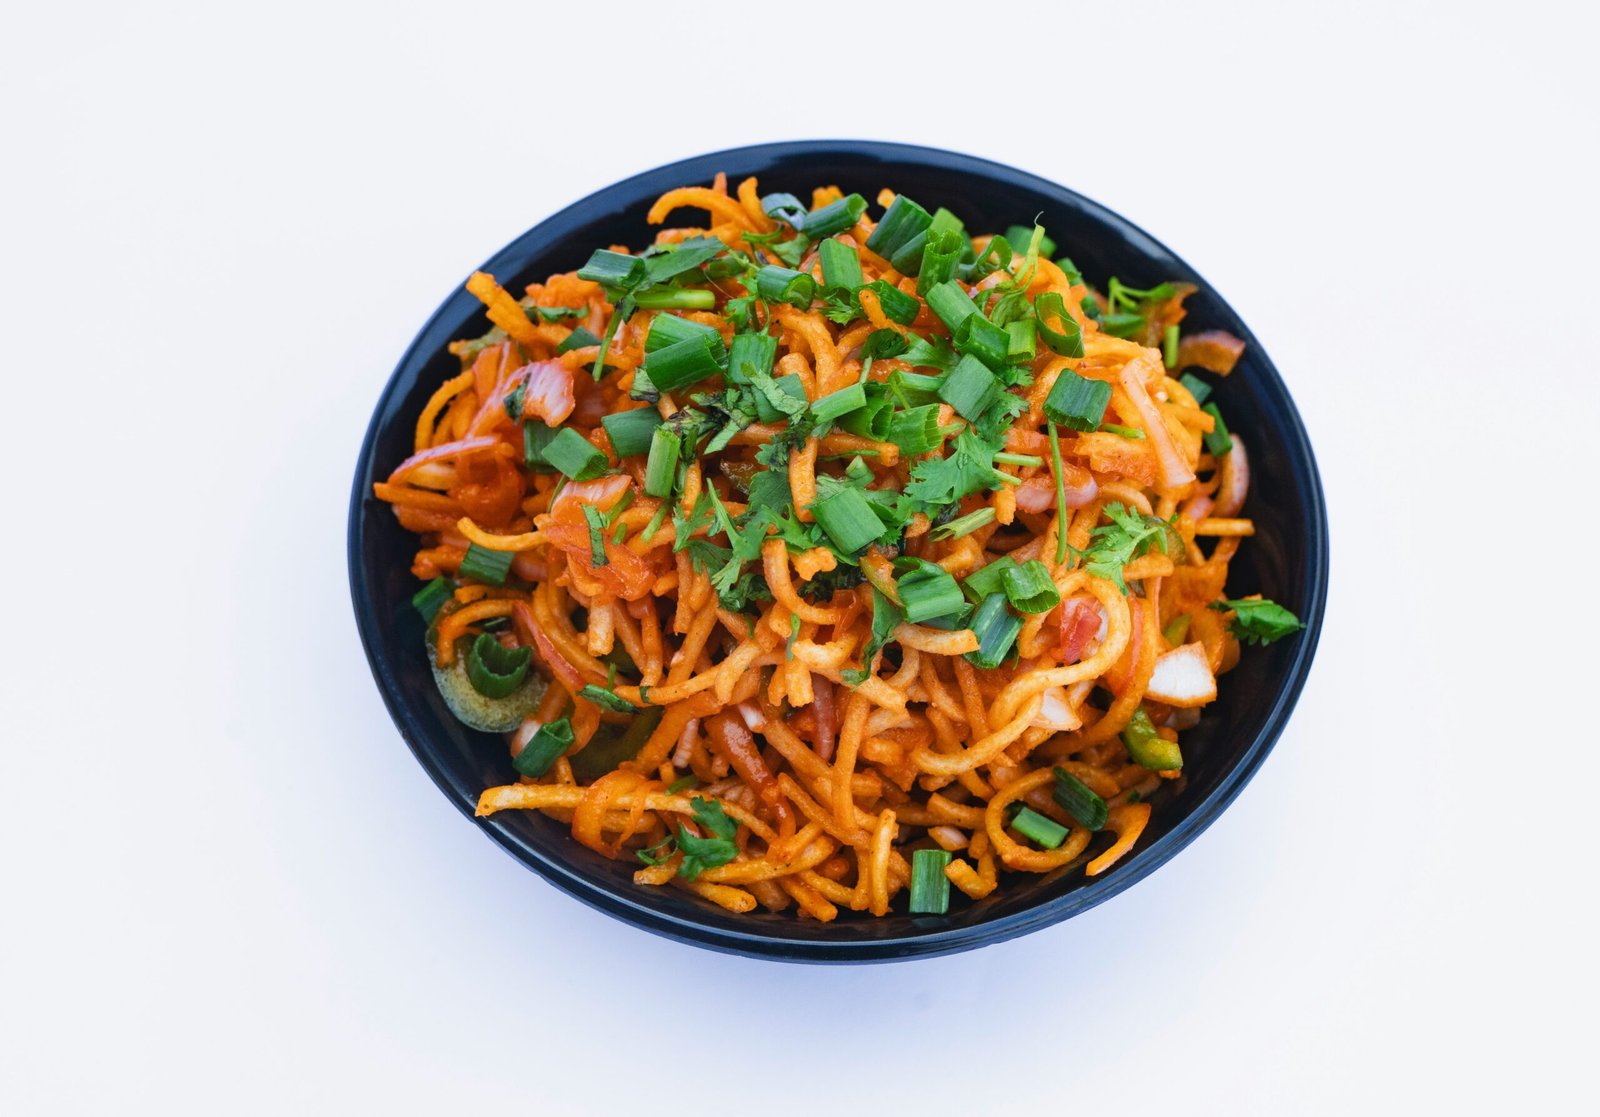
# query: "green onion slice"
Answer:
x=1029 y=588
x=1076 y=401
x=575 y=456
x=928 y=591
x=930 y=888
x=1035 y=826
x=1075 y=797
x=630 y=431
x=1066 y=340
x=493 y=669
x=431 y=597
x=997 y=628
x=552 y=739
x=484 y=565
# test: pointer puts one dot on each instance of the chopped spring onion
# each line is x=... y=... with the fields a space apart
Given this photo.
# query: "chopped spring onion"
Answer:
x=970 y=388
x=963 y=525
x=1018 y=459
x=493 y=669
x=1147 y=747
x=683 y=362
x=676 y=298
x=902 y=221
x=930 y=888
x=916 y=429
x=874 y=420
x=1031 y=824
x=1133 y=433
x=1076 y=401
x=682 y=783
x=981 y=338
x=661 y=468
x=630 y=431
x=880 y=344
x=1218 y=440
x=897 y=305
x=574 y=455
x=951 y=303
x=1169 y=346
x=535 y=437
x=1074 y=797
x=552 y=739
x=624 y=502
x=1199 y=389
x=1021 y=340
x=579 y=338
x=848 y=519
x=841 y=265
x=929 y=591
x=989 y=579
x=617 y=270
x=785 y=285
x=596 y=520
x=1068 y=339
x=835 y=217
x=1019 y=235
x=669 y=329
x=840 y=403
x=1030 y=589
x=431 y=597
x=941 y=252
x=484 y=565
x=751 y=355
x=914 y=388
x=696 y=252
x=996 y=628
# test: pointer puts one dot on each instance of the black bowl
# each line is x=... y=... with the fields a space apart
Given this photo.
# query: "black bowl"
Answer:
x=1287 y=559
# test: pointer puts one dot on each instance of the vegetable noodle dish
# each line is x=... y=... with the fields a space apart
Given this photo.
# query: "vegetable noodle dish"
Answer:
x=829 y=564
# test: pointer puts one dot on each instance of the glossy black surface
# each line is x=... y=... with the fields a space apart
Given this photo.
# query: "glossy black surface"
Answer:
x=1287 y=560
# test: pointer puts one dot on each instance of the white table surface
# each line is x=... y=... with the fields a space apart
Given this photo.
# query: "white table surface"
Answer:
x=228 y=887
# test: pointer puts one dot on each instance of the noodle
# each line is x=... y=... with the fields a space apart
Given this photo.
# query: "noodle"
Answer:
x=765 y=708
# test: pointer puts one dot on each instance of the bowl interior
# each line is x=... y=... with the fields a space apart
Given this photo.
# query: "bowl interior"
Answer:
x=1286 y=560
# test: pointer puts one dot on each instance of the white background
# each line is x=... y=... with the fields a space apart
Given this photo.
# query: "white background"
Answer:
x=228 y=887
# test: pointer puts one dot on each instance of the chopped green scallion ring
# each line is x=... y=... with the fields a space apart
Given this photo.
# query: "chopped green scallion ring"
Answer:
x=683 y=362
x=676 y=298
x=903 y=221
x=897 y=306
x=929 y=591
x=970 y=388
x=493 y=669
x=1199 y=389
x=951 y=303
x=930 y=888
x=751 y=355
x=483 y=565
x=1076 y=401
x=630 y=431
x=840 y=403
x=1030 y=589
x=785 y=285
x=431 y=597
x=996 y=628
x=1076 y=798
x=579 y=338
x=1036 y=827
x=835 y=217
x=981 y=338
x=848 y=520
x=551 y=740
x=574 y=455
x=941 y=252
x=617 y=270
x=661 y=467
x=1068 y=339
x=841 y=265
x=1218 y=441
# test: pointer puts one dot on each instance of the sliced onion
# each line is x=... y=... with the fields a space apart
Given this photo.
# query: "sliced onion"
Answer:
x=1038 y=492
x=1234 y=484
x=1170 y=463
x=1182 y=677
x=1055 y=713
x=602 y=493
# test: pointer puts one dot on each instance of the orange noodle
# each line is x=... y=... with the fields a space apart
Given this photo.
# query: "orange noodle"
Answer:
x=808 y=549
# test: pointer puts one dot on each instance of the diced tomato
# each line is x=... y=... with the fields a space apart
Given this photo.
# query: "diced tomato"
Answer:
x=1079 y=621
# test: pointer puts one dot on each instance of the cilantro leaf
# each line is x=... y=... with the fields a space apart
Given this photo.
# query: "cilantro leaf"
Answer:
x=700 y=854
x=930 y=353
x=886 y=617
x=1259 y=621
x=775 y=396
x=939 y=481
x=1129 y=535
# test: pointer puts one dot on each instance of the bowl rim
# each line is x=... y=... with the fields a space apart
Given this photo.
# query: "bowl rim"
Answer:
x=630 y=906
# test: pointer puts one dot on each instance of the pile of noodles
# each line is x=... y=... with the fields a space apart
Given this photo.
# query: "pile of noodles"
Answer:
x=832 y=785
